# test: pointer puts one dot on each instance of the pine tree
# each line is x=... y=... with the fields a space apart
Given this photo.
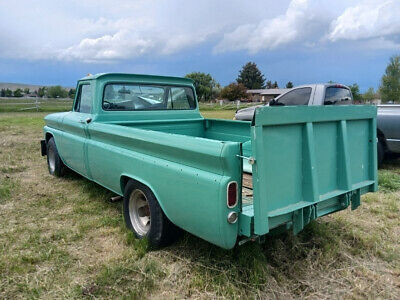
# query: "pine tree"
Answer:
x=289 y=85
x=251 y=77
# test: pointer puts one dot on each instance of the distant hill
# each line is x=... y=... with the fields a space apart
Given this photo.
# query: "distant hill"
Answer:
x=31 y=87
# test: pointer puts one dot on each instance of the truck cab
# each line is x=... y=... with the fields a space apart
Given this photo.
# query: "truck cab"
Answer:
x=316 y=94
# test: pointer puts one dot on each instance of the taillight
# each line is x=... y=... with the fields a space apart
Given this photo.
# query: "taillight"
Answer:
x=232 y=194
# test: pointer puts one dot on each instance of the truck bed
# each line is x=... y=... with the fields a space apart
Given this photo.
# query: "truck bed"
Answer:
x=307 y=162
x=213 y=129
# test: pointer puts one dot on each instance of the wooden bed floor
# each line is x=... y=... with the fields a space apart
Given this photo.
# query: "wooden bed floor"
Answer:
x=247 y=189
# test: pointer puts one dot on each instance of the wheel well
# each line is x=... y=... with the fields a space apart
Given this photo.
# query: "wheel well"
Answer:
x=123 y=181
x=48 y=136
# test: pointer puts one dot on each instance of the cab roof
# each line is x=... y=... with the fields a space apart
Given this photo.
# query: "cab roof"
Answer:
x=138 y=78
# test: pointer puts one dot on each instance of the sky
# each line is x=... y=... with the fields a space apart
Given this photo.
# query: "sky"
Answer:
x=304 y=41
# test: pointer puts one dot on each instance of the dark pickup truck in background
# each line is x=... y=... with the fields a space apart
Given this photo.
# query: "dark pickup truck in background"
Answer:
x=388 y=130
x=388 y=120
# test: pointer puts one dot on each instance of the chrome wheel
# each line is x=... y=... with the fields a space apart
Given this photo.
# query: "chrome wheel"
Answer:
x=139 y=212
x=52 y=159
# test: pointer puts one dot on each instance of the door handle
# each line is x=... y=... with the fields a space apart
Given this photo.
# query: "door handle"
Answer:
x=86 y=121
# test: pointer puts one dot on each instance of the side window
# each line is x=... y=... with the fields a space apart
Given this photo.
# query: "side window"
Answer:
x=296 y=97
x=83 y=102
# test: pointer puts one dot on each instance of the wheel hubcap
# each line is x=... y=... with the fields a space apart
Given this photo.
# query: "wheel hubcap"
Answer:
x=139 y=212
x=52 y=160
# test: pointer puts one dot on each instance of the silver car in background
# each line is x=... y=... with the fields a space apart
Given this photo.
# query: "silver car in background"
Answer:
x=310 y=94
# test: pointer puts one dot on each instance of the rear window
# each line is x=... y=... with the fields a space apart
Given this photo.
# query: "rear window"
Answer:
x=296 y=97
x=127 y=96
x=337 y=96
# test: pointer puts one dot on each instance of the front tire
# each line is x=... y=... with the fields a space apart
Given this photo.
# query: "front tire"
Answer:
x=55 y=165
x=144 y=216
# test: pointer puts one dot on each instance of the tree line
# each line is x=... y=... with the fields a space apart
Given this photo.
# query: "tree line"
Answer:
x=48 y=92
x=250 y=78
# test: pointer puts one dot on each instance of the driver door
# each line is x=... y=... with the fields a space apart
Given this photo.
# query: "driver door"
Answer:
x=75 y=130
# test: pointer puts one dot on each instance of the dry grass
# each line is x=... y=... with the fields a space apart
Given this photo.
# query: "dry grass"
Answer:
x=61 y=238
x=219 y=114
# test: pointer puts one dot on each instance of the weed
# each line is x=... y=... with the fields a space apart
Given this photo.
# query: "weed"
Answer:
x=389 y=181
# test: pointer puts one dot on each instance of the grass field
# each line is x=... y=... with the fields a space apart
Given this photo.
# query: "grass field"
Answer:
x=54 y=105
x=62 y=238
x=33 y=104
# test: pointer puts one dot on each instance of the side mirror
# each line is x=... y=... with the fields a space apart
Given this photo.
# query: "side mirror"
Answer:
x=276 y=103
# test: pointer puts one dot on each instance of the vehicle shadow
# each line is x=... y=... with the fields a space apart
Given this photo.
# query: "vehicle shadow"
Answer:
x=93 y=190
x=280 y=259
x=391 y=161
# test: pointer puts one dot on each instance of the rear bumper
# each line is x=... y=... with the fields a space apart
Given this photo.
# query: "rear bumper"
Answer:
x=43 y=147
x=297 y=216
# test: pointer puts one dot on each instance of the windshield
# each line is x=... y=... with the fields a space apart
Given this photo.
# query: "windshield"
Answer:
x=337 y=96
x=127 y=96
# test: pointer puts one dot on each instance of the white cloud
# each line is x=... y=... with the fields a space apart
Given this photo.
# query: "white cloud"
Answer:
x=129 y=40
x=368 y=20
x=270 y=33
x=108 y=31
x=101 y=31
x=120 y=45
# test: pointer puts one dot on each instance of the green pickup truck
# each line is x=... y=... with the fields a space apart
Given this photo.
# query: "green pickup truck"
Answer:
x=143 y=138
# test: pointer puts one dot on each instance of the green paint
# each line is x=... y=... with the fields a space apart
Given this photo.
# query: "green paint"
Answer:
x=306 y=159
x=310 y=157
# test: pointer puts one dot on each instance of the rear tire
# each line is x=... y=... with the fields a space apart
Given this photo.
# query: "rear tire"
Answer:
x=381 y=153
x=55 y=165
x=144 y=216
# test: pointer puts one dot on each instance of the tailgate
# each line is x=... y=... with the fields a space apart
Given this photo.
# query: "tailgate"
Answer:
x=309 y=162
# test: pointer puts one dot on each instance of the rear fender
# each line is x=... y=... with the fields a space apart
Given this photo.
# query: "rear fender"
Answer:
x=201 y=208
